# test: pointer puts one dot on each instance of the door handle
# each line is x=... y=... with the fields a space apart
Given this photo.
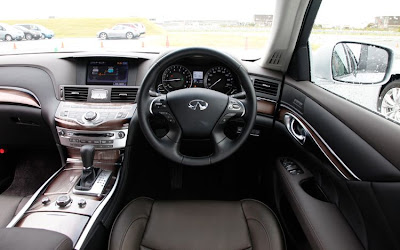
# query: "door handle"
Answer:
x=296 y=128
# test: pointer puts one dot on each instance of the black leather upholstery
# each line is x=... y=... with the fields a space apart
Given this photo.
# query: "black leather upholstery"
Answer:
x=10 y=206
x=32 y=238
x=148 y=224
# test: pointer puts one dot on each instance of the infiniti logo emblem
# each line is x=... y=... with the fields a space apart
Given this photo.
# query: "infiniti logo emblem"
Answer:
x=200 y=104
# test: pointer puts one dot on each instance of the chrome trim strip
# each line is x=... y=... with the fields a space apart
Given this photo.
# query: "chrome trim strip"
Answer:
x=73 y=160
x=24 y=91
x=31 y=200
x=96 y=214
x=151 y=106
x=327 y=146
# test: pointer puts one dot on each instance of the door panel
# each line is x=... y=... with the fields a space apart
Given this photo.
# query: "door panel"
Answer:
x=356 y=152
x=353 y=162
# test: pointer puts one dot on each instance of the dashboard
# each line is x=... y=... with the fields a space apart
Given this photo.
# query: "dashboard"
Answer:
x=80 y=96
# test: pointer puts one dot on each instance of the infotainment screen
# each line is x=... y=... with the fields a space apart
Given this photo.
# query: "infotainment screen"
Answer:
x=107 y=73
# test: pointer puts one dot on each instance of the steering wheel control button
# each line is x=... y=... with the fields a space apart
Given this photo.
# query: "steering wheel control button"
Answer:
x=45 y=201
x=90 y=116
x=168 y=116
x=63 y=200
x=82 y=203
x=226 y=118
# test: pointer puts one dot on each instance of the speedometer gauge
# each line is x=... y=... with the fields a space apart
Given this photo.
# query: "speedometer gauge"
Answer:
x=176 y=77
x=220 y=78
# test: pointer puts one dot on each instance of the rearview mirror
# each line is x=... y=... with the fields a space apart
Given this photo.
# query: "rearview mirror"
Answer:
x=360 y=62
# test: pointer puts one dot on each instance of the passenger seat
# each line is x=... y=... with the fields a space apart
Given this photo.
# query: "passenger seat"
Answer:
x=10 y=206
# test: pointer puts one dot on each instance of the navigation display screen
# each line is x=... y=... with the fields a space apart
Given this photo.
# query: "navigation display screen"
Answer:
x=107 y=73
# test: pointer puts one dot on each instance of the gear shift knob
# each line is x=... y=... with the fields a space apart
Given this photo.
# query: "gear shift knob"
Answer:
x=87 y=154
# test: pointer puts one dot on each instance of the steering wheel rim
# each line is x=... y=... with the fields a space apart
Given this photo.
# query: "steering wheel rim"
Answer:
x=176 y=102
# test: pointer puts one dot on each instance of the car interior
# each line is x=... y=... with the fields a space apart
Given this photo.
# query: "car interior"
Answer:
x=259 y=158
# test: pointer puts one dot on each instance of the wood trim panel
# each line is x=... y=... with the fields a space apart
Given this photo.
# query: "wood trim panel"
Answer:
x=334 y=159
x=265 y=107
x=18 y=97
x=104 y=156
x=109 y=125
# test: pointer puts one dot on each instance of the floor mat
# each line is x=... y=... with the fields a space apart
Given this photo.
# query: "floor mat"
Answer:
x=32 y=169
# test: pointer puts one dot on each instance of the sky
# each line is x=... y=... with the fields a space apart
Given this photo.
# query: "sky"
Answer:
x=352 y=12
x=355 y=12
x=165 y=9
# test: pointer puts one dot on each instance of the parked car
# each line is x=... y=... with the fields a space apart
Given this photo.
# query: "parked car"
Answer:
x=357 y=72
x=29 y=34
x=139 y=26
x=45 y=32
x=9 y=33
x=118 y=31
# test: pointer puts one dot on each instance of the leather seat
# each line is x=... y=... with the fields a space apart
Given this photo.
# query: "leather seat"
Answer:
x=10 y=206
x=147 y=224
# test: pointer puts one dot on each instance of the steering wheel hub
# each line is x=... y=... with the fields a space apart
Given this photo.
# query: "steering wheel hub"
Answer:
x=197 y=110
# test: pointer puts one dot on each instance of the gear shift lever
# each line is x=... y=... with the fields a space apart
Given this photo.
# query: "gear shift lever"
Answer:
x=87 y=154
x=89 y=173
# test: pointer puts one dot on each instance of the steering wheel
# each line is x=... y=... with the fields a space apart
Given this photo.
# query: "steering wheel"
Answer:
x=196 y=112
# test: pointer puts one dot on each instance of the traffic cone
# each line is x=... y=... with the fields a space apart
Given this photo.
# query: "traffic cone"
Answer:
x=62 y=45
x=101 y=45
x=167 y=43
x=15 y=46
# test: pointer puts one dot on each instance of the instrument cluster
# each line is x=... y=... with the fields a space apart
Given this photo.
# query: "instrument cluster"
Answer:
x=216 y=77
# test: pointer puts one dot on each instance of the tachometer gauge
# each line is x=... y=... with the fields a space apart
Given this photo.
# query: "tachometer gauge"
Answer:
x=176 y=77
x=220 y=78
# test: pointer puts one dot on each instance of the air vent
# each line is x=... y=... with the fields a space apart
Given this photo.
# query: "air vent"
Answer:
x=266 y=87
x=123 y=94
x=276 y=57
x=75 y=93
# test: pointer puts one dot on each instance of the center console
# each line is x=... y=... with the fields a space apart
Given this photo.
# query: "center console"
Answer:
x=93 y=131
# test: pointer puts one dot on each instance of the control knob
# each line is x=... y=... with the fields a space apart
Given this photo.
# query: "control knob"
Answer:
x=89 y=116
x=63 y=200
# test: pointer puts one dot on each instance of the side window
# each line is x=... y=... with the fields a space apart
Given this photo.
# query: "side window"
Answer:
x=357 y=57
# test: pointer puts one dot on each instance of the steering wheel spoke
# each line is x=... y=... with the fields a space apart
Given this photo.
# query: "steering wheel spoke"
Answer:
x=221 y=148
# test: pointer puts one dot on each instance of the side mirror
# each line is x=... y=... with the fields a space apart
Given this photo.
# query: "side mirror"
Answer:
x=354 y=62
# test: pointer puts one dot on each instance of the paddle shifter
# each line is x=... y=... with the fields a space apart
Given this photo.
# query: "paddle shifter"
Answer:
x=93 y=180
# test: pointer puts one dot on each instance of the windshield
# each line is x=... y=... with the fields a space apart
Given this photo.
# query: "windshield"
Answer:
x=157 y=25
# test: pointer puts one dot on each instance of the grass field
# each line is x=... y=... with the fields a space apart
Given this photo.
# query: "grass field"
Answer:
x=86 y=27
